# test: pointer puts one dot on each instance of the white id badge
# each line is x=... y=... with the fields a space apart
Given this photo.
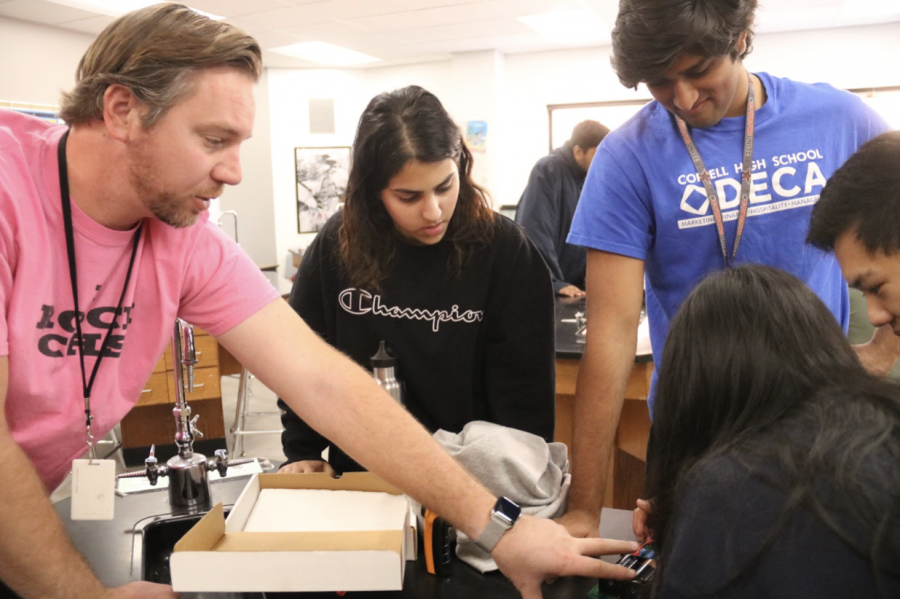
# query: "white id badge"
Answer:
x=93 y=489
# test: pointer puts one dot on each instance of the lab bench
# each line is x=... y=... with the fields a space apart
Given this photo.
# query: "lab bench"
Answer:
x=109 y=547
x=625 y=481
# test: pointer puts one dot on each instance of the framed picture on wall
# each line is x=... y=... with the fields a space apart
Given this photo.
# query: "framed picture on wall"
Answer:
x=321 y=181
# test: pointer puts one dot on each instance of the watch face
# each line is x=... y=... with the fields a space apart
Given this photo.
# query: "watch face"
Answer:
x=508 y=509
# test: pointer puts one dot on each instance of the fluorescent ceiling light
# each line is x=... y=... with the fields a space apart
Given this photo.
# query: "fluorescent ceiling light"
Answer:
x=325 y=53
x=570 y=27
x=117 y=8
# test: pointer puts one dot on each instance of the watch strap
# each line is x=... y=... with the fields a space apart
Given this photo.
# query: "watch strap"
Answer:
x=503 y=517
x=492 y=532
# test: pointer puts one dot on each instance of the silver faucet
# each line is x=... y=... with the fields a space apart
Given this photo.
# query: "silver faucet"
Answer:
x=188 y=481
x=580 y=325
x=235 y=217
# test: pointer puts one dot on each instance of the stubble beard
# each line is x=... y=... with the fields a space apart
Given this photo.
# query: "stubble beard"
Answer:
x=170 y=208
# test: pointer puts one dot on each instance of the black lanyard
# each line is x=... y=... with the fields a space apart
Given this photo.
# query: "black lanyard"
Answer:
x=746 y=168
x=87 y=385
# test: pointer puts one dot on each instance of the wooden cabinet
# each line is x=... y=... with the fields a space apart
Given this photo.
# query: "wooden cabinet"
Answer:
x=151 y=421
x=625 y=481
x=156 y=390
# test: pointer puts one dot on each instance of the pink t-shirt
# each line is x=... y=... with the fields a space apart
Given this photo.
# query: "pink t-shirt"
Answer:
x=196 y=273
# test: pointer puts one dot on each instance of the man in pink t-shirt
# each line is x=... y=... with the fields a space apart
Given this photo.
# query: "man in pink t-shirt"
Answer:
x=111 y=213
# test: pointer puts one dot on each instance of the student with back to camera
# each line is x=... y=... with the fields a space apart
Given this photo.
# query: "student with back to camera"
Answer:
x=418 y=259
x=548 y=204
x=773 y=460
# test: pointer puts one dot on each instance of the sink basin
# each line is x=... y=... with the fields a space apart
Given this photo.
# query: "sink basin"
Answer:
x=154 y=539
x=158 y=537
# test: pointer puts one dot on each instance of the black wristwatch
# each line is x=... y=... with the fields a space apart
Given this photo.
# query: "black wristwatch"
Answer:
x=503 y=516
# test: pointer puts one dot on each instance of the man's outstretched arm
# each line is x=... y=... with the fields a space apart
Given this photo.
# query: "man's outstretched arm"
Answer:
x=342 y=401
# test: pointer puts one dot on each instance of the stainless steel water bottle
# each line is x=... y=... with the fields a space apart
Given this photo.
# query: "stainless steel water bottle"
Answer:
x=384 y=370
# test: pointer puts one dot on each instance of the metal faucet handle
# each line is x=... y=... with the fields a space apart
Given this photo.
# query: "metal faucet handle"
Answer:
x=151 y=467
x=188 y=350
x=220 y=463
x=195 y=432
x=580 y=323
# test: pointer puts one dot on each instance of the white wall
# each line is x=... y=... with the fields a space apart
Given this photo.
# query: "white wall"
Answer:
x=848 y=58
x=38 y=62
x=478 y=94
x=252 y=199
x=289 y=93
x=567 y=77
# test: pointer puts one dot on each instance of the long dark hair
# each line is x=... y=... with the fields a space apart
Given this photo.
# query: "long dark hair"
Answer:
x=751 y=347
x=396 y=127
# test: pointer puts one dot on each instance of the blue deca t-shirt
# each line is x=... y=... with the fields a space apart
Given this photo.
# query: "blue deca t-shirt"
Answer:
x=643 y=198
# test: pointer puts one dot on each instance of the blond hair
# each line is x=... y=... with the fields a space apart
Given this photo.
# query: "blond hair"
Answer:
x=154 y=52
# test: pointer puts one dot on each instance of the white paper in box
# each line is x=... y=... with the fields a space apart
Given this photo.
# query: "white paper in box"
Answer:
x=217 y=555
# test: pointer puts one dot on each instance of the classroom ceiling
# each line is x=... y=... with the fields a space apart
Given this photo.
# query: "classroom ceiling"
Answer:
x=409 y=31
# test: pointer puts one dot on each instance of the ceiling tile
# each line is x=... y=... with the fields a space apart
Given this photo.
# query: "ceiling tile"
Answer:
x=277 y=39
x=454 y=46
x=430 y=17
x=404 y=52
x=327 y=31
x=93 y=25
x=366 y=43
x=519 y=43
x=236 y=8
x=355 y=9
x=413 y=29
x=249 y=28
x=607 y=10
x=460 y=31
x=299 y=2
x=416 y=59
x=286 y=18
x=522 y=8
x=39 y=11
x=412 y=59
x=421 y=4
x=799 y=4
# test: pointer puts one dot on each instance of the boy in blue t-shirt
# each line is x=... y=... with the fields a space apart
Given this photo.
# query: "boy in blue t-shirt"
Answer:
x=722 y=168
